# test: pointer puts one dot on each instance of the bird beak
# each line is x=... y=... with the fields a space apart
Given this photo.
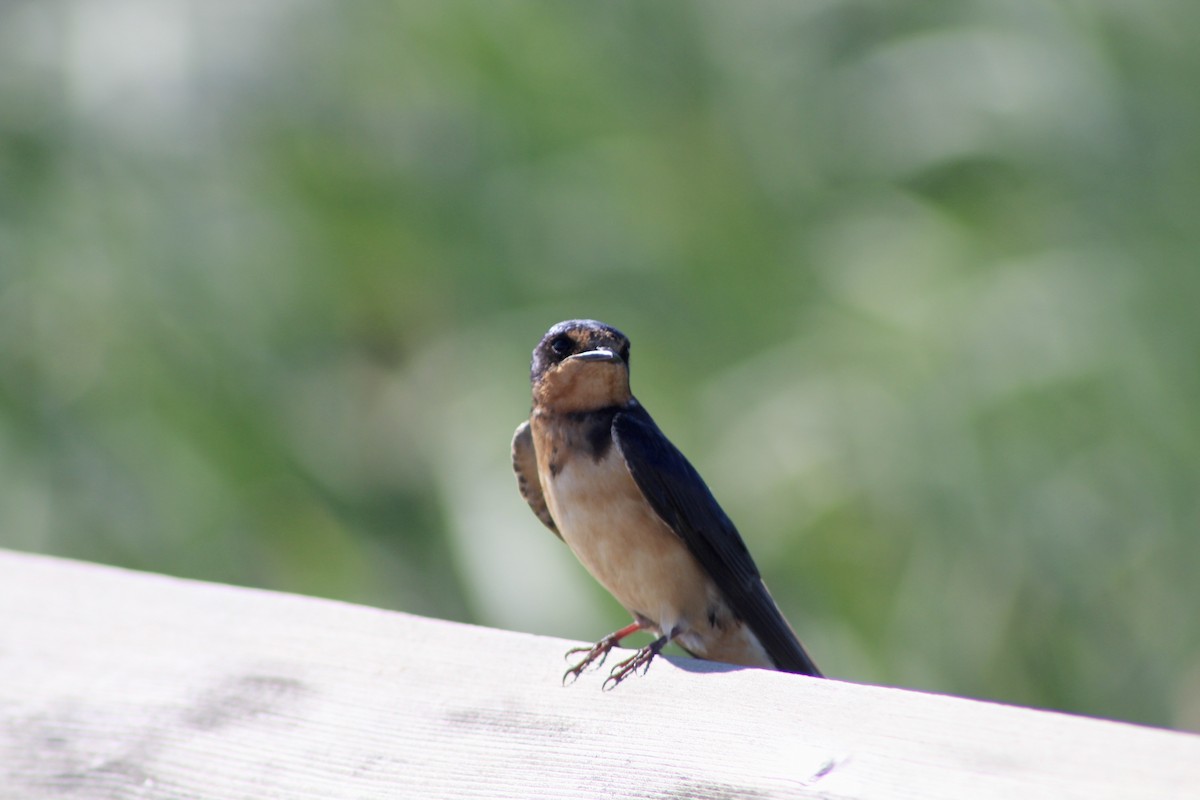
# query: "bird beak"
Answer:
x=599 y=354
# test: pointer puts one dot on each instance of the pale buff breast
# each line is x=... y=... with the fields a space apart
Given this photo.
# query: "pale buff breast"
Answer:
x=624 y=545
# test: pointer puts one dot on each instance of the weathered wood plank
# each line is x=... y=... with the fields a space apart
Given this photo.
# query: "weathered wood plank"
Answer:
x=120 y=684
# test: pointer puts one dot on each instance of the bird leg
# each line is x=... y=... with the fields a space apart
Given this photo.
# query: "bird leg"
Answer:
x=641 y=658
x=597 y=651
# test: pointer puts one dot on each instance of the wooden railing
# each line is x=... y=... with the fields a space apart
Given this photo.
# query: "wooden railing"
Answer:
x=116 y=684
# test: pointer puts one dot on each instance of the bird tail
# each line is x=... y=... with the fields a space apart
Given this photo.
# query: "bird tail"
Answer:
x=777 y=637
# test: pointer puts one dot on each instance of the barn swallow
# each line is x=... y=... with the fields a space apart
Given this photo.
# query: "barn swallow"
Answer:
x=600 y=474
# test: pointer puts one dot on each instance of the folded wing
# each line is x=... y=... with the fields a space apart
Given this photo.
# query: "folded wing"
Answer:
x=681 y=498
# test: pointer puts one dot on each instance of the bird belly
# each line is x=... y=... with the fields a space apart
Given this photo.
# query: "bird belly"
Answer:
x=615 y=534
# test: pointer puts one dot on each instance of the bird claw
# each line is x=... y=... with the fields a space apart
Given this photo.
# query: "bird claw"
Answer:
x=597 y=653
x=629 y=666
x=594 y=655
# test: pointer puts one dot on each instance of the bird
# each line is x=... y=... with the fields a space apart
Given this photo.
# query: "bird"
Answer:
x=598 y=472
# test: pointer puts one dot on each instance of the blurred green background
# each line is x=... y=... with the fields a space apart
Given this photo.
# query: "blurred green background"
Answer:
x=914 y=285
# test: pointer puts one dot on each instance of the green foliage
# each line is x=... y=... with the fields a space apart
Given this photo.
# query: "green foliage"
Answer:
x=914 y=285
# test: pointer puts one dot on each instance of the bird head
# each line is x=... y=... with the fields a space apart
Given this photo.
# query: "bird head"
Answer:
x=581 y=365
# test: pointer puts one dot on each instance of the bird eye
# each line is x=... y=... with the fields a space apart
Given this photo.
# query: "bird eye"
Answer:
x=562 y=345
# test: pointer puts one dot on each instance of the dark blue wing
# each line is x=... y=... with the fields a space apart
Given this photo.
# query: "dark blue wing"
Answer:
x=681 y=498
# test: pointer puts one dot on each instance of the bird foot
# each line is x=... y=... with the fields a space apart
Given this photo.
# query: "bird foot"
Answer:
x=629 y=666
x=597 y=652
x=594 y=655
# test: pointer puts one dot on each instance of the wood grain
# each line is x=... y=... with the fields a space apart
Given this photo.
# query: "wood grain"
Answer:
x=116 y=684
